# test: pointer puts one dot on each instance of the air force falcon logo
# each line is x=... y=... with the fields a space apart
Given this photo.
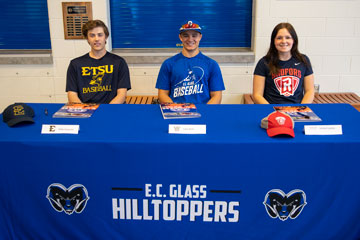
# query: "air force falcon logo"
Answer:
x=69 y=199
x=282 y=206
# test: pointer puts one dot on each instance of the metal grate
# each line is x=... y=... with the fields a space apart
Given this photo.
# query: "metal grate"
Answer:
x=155 y=24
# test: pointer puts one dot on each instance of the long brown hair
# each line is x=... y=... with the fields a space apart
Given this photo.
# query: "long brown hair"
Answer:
x=272 y=56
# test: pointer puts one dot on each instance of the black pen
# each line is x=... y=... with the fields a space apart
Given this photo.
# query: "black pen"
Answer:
x=304 y=115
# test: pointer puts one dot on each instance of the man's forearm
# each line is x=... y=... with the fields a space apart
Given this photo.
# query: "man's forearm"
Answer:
x=73 y=97
x=215 y=97
x=120 y=97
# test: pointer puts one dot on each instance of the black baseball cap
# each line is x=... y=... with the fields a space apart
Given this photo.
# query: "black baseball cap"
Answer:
x=18 y=113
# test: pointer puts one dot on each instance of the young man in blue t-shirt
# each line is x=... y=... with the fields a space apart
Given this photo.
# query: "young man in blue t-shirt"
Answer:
x=190 y=76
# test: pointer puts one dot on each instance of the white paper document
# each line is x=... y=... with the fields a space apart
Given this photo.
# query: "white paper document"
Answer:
x=187 y=128
x=59 y=129
x=323 y=129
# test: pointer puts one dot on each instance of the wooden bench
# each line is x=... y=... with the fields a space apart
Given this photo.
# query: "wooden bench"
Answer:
x=141 y=99
x=346 y=97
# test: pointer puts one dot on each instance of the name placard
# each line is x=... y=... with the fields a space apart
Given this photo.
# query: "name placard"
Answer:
x=187 y=128
x=59 y=129
x=323 y=129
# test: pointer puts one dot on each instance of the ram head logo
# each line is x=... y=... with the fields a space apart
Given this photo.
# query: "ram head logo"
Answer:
x=282 y=206
x=69 y=200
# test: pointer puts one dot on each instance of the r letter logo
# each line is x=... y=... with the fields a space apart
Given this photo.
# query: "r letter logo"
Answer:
x=286 y=85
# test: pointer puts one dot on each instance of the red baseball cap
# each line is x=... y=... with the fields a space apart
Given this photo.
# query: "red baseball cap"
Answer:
x=278 y=123
x=190 y=25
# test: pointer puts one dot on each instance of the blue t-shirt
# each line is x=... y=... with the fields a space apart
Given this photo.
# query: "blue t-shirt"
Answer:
x=288 y=85
x=190 y=80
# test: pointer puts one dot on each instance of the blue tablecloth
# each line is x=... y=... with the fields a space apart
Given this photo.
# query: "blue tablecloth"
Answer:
x=124 y=177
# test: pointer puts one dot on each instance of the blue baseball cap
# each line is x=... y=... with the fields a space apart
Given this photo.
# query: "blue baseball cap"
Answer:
x=190 y=25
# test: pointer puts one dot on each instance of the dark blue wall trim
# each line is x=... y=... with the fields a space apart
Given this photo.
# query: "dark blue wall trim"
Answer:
x=25 y=24
x=155 y=23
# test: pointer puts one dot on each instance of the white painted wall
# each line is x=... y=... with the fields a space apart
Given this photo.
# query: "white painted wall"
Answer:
x=329 y=33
